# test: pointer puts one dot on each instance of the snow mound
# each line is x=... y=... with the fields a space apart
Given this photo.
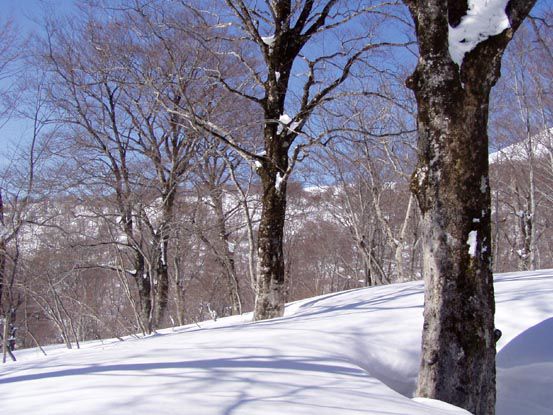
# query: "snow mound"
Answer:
x=527 y=360
x=355 y=352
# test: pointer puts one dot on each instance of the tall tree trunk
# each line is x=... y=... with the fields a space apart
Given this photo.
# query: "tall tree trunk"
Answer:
x=162 y=280
x=4 y=320
x=458 y=348
x=4 y=301
x=270 y=295
x=532 y=219
x=270 y=288
x=452 y=187
x=180 y=290
x=144 y=285
x=140 y=274
x=161 y=241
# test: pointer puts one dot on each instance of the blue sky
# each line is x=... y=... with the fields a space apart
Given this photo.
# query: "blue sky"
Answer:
x=26 y=15
x=24 y=11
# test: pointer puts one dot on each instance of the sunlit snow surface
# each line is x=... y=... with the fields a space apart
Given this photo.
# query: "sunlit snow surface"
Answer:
x=347 y=353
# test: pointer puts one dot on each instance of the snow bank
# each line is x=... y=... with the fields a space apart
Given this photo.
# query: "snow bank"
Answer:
x=527 y=360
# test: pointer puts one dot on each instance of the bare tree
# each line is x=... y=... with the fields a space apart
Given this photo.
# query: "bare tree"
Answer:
x=89 y=99
x=8 y=54
x=162 y=139
x=215 y=172
x=279 y=33
x=520 y=123
x=17 y=189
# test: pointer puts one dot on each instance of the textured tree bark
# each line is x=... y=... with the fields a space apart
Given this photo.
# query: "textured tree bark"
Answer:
x=270 y=288
x=450 y=183
x=162 y=282
x=270 y=294
x=452 y=188
x=2 y=256
x=144 y=285
x=161 y=247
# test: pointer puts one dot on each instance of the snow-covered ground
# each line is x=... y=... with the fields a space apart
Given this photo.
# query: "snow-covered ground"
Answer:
x=354 y=352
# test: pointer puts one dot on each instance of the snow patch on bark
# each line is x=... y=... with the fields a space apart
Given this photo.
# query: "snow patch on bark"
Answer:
x=420 y=175
x=268 y=40
x=472 y=242
x=284 y=120
x=484 y=18
x=231 y=247
x=483 y=184
x=278 y=181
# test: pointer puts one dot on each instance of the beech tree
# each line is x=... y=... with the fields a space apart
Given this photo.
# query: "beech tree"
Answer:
x=18 y=182
x=119 y=92
x=214 y=172
x=460 y=45
x=279 y=32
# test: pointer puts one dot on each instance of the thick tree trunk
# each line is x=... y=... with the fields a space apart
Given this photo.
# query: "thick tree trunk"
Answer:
x=229 y=269
x=524 y=240
x=6 y=350
x=270 y=295
x=451 y=184
x=3 y=277
x=271 y=287
x=140 y=274
x=180 y=289
x=452 y=187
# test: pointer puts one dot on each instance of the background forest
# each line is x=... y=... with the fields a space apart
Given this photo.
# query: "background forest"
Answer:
x=132 y=163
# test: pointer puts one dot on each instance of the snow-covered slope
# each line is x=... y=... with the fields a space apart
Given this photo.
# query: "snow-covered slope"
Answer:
x=542 y=147
x=354 y=352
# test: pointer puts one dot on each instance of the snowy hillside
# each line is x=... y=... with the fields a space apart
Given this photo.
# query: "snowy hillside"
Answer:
x=354 y=352
x=542 y=146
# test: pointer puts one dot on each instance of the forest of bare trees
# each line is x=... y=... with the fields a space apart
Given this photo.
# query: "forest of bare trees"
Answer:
x=163 y=163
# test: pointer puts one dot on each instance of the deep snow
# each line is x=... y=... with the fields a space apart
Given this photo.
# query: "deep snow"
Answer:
x=354 y=352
